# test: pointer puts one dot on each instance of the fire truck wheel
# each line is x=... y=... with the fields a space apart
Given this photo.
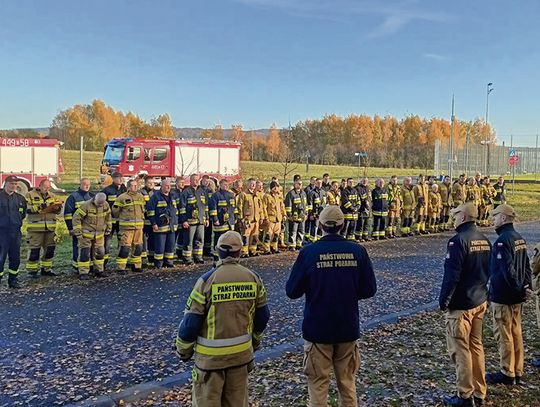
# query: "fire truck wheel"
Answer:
x=22 y=188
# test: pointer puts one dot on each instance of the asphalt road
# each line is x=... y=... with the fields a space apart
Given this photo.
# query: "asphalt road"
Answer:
x=67 y=341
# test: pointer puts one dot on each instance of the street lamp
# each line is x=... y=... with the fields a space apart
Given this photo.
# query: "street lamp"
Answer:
x=360 y=155
x=489 y=89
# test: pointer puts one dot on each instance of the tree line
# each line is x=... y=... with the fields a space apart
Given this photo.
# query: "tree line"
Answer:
x=380 y=141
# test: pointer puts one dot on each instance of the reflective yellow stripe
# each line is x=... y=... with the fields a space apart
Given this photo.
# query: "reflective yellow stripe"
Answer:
x=197 y=296
x=226 y=350
x=211 y=322
x=183 y=345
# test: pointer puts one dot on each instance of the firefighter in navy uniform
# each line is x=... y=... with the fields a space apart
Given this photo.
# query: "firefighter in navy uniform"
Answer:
x=464 y=297
x=510 y=279
x=12 y=213
x=500 y=192
x=222 y=212
x=379 y=199
x=42 y=207
x=349 y=206
x=361 y=232
x=209 y=187
x=326 y=184
x=333 y=274
x=316 y=202
x=112 y=192
x=73 y=202
x=163 y=216
x=177 y=194
x=193 y=217
x=297 y=208
x=223 y=324
x=148 y=236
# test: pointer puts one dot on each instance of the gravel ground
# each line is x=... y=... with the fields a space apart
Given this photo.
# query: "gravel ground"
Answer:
x=63 y=340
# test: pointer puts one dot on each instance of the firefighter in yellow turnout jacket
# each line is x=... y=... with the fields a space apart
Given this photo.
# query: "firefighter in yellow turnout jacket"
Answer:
x=225 y=316
x=129 y=209
x=42 y=207
x=421 y=197
x=275 y=212
x=92 y=221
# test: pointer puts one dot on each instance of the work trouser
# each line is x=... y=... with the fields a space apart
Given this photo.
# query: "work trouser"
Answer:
x=484 y=214
x=407 y=218
x=164 y=244
x=148 y=244
x=218 y=231
x=507 y=332
x=464 y=341
x=207 y=246
x=179 y=237
x=393 y=217
x=433 y=221
x=193 y=239
x=108 y=239
x=296 y=234
x=92 y=251
x=36 y=242
x=319 y=359
x=131 y=240
x=349 y=226
x=250 y=238
x=74 y=251
x=379 y=226
x=421 y=214
x=271 y=236
x=10 y=246
x=361 y=230
x=221 y=388
x=444 y=217
x=310 y=232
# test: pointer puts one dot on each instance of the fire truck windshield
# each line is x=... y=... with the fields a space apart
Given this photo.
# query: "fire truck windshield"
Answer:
x=114 y=153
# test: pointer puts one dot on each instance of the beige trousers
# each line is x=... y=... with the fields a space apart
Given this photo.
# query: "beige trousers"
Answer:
x=464 y=341
x=319 y=359
x=507 y=332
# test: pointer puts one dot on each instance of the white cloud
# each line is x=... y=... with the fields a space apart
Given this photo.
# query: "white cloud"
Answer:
x=392 y=15
x=436 y=57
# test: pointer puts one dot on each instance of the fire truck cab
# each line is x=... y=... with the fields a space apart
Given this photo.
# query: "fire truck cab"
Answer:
x=162 y=158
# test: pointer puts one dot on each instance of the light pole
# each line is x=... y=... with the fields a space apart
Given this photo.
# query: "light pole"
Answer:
x=489 y=89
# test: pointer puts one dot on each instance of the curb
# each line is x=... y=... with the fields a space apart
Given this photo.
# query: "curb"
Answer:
x=143 y=390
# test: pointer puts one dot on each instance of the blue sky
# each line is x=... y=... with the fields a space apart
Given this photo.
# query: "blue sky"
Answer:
x=261 y=61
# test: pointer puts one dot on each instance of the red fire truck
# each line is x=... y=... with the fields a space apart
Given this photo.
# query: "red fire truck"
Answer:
x=31 y=160
x=172 y=158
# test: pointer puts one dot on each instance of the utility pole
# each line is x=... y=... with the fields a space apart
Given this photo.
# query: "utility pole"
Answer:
x=536 y=160
x=451 y=148
x=81 y=149
x=489 y=89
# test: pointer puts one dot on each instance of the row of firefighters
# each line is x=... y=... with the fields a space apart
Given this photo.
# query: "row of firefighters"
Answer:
x=157 y=226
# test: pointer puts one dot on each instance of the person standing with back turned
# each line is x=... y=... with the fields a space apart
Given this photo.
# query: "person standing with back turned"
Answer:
x=324 y=271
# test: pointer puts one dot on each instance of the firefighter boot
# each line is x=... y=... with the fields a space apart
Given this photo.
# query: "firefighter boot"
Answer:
x=13 y=282
x=48 y=273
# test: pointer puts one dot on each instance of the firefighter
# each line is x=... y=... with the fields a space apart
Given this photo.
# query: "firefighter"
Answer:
x=500 y=192
x=163 y=216
x=12 y=212
x=488 y=194
x=421 y=197
x=208 y=186
x=434 y=208
x=42 y=207
x=446 y=199
x=349 y=206
x=463 y=298
x=249 y=215
x=177 y=194
x=222 y=211
x=333 y=274
x=129 y=209
x=326 y=184
x=225 y=317
x=510 y=280
x=92 y=221
x=148 y=236
x=193 y=217
x=409 y=203
x=473 y=194
x=73 y=202
x=297 y=208
x=263 y=222
x=316 y=202
x=113 y=191
x=379 y=199
x=361 y=232
x=282 y=241
x=459 y=191
x=394 y=206
x=334 y=194
x=310 y=186
x=535 y=266
x=275 y=211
